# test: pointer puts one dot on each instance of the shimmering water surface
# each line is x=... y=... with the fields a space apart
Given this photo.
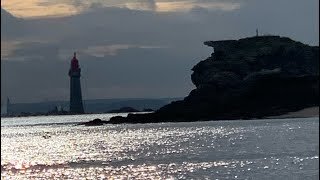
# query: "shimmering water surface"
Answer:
x=41 y=148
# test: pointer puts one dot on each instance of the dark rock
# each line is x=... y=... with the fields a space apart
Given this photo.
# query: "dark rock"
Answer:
x=147 y=110
x=246 y=79
x=95 y=122
x=124 y=110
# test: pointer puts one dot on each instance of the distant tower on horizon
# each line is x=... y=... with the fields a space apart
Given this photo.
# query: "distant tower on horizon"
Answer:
x=76 y=105
x=5 y=109
x=257 y=32
x=8 y=106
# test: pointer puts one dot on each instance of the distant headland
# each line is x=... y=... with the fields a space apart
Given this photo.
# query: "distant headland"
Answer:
x=249 y=78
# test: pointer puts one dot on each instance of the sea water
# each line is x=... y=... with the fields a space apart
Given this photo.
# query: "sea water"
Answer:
x=54 y=147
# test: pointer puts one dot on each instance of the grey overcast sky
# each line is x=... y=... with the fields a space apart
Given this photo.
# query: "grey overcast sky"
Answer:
x=130 y=48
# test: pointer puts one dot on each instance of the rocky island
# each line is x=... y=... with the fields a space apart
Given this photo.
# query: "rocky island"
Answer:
x=123 y=110
x=248 y=78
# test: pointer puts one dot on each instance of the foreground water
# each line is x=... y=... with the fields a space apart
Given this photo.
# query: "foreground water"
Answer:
x=41 y=148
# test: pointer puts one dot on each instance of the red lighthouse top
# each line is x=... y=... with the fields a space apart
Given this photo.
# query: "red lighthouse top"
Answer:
x=74 y=63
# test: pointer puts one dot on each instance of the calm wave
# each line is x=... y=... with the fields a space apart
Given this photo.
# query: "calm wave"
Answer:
x=54 y=147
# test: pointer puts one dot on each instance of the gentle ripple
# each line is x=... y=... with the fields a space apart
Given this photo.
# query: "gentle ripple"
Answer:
x=264 y=149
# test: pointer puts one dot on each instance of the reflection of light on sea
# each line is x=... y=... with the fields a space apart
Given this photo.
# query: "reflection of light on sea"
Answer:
x=69 y=145
x=137 y=171
x=169 y=150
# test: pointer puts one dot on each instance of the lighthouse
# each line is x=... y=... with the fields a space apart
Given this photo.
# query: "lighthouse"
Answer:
x=76 y=105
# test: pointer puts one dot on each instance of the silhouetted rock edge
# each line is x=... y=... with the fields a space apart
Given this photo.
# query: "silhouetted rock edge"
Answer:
x=249 y=78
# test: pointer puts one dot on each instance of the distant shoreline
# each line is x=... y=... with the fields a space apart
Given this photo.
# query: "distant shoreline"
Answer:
x=303 y=113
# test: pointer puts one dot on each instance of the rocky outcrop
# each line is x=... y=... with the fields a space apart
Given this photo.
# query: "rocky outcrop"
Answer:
x=243 y=79
x=123 y=110
x=95 y=122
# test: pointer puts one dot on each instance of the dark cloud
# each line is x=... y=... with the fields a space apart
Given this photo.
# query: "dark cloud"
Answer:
x=10 y=25
x=36 y=50
x=47 y=45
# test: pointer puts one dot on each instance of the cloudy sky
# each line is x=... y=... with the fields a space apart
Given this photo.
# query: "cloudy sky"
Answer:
x=130 y=48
